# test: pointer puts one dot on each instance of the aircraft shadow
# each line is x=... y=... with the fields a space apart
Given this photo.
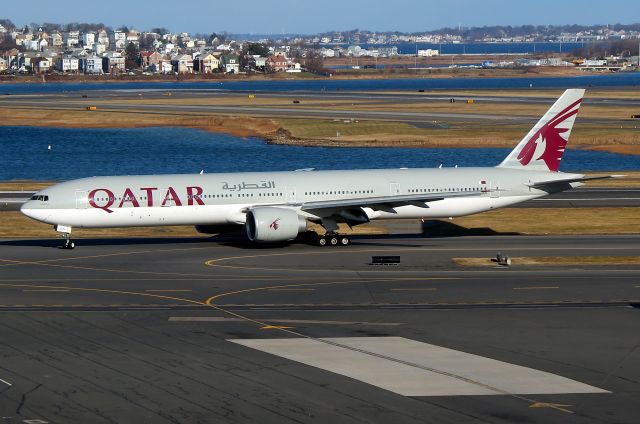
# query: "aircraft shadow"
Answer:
x=429 y=230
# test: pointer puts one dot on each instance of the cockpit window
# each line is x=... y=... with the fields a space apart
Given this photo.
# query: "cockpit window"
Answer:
x=40 y=197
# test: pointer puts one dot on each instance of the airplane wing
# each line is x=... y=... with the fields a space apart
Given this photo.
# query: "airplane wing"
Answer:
x=543 y=184
x=385 y=202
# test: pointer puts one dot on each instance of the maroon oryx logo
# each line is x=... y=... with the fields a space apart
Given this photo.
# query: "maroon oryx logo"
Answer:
x=274 y=225
x=547 y=143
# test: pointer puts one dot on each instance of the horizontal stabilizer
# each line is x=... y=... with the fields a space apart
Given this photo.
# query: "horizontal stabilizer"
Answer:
x=541 y=184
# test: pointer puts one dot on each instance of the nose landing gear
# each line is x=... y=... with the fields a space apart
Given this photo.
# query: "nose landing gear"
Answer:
x=66 y=233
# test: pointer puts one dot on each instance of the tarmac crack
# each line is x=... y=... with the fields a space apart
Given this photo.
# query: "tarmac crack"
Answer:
x=23 y=398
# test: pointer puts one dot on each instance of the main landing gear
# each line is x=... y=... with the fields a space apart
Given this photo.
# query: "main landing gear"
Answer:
x=328 y=239
x=333 y=240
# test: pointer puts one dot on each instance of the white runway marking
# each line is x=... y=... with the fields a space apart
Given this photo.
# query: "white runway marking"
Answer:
x=6 y=382
x=413 y=368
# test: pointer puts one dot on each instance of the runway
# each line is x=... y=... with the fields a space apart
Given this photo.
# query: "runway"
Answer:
x=217 y=330
x=314 y=105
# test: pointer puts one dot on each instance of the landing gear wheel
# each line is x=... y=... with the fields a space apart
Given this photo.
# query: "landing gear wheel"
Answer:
x=344 y=241
x=333 y=241
x=322 y=241
x=68 y=244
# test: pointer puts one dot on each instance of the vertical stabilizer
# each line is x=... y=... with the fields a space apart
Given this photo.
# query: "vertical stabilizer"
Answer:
x=542 y=148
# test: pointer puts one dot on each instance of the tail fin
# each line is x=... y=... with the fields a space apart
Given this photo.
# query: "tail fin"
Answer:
x=542 y=148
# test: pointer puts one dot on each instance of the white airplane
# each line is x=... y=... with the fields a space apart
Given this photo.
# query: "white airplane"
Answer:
x=276 y=206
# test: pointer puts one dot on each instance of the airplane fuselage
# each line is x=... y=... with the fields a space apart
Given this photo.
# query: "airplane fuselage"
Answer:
x=218 y=199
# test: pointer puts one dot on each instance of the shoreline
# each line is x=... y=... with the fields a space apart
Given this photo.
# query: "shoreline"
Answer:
x=343 y=74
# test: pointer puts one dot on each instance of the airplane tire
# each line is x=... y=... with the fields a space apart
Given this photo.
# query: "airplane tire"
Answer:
x=344 y=241
x=333 y=241
x=322 y=241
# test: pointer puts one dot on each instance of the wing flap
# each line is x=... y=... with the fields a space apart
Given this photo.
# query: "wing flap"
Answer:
x=419 y=200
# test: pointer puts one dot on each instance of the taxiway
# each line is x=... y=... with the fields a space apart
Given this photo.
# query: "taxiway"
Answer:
x=202 y=330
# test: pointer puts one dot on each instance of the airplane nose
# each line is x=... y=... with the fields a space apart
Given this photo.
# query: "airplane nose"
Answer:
x=34 y=213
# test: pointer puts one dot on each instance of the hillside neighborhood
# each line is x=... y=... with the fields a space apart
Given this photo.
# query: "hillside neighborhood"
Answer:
x=103 y=51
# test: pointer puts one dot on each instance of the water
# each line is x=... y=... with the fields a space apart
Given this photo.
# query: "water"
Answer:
x=625 y=79
x=79 y=153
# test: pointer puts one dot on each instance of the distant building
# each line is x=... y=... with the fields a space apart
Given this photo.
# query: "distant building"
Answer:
x=91 y=65
x=260 y=62
x=88 y=39
x=103 y=37
x=4 y=64
x=148 y=59
x=182 y=64
x=230 y=63
x=206 y=64
x=40 y=65
x=56 y=40
x=118 y=40
x=99 y=48
x=428 y=53
x=67 y=64
x=113 y=62
x=278 y=63
x=72 y=38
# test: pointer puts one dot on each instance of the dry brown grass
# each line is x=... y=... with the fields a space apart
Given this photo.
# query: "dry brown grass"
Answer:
x=541 y=221
x=242 y=126
x=538 y=221
x=15 y=224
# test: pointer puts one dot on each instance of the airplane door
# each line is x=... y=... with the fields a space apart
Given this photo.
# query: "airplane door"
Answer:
x=290 y=194
x=394 y=189
x=494 y=189
x=81 y=199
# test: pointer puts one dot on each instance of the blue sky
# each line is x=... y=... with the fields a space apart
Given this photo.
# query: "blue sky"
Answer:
x=313 y=16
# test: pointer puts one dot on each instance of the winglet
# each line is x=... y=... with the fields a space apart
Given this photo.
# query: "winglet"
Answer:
x=542 y=148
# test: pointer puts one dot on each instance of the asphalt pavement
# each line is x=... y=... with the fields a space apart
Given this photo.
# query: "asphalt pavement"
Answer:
x=213 y=329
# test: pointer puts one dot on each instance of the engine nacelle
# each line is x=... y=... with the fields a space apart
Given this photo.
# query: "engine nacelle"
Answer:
x=272 y=224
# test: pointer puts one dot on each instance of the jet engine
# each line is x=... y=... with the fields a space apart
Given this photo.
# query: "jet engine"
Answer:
x=272 y=224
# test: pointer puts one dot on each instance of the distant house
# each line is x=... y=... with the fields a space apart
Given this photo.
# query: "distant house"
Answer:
x=88 y=38
x=206 y=64
x=67 y=64
x=118 y=40
x=103 y=37
x=98 y=48
x=278 y=63
x=133 y=36
x=40 y=65
x=56 y=39
x=113 y=62
x=150 y=58
x=260 y=62
x=4 y=64
x=230 y=63
x=182 y=64
x=90 y=64
x=72 y=38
